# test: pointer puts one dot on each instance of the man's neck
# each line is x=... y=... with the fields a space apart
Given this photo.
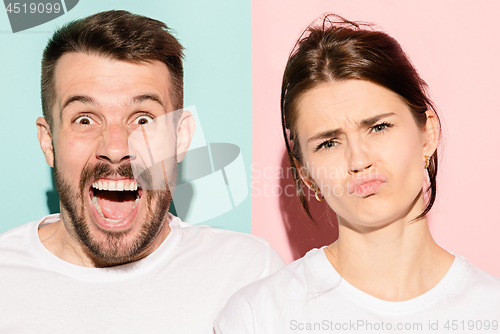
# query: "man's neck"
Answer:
x=56 y=238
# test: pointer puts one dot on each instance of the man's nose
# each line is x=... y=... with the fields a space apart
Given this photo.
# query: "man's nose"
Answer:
x=359 y=157
x=113 y=146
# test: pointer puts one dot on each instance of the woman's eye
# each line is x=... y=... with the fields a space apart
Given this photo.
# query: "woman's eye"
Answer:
x=381 y=127
x=327 y=144
x=84 y=120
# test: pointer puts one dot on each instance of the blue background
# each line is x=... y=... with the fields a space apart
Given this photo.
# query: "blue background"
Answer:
x=217 y=38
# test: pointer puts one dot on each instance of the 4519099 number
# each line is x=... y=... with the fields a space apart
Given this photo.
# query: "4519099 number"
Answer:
x=33 y=8
x=471 y=325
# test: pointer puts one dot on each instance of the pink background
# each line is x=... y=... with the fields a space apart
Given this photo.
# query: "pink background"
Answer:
x=455 y=47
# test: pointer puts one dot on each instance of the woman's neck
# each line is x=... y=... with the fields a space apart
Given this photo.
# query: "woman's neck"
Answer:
x=396 y=262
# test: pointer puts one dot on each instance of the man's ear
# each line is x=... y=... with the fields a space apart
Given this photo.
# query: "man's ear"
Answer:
x=185 y=132
x=431 y=133
x=45 y=139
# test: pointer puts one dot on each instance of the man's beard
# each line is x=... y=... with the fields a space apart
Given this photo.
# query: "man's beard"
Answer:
x=114 y=249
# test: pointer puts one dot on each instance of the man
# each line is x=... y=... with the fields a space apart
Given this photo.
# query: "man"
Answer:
x=115 y=260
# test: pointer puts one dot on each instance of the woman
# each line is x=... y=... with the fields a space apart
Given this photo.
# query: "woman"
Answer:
x=362 y=134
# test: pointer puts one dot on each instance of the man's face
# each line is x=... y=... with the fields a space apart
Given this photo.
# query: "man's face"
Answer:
x=99 y=103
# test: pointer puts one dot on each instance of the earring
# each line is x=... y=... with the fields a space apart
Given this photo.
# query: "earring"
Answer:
x=316 y=193
x=427 y=161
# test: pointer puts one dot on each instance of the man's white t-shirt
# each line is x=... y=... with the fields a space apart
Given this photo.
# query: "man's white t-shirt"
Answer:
x=179 y=288
x=309 y=296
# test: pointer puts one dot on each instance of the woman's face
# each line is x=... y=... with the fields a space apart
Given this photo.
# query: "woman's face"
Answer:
x=361 y=146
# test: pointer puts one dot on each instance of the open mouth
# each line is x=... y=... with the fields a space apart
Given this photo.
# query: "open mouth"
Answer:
x=115 y=200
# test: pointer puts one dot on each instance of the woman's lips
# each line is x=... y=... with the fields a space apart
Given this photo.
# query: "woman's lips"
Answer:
x=366 y=185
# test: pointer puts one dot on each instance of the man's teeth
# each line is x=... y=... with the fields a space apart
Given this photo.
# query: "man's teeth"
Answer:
x=115 y=185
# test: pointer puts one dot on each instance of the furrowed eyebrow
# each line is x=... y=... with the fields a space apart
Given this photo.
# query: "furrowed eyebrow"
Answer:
x=364 y=123
x=372 y=120
x=148 y=97
x=325 y=134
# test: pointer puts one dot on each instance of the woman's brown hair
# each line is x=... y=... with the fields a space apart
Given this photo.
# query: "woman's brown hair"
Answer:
x=336 y=50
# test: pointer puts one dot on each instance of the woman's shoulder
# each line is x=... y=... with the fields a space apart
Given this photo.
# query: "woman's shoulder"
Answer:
x=477 y=279
x=474 y=286
x=306 y=275
x=259 y=304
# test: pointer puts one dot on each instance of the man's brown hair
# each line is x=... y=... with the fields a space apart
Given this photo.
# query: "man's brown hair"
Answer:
x=119 y=35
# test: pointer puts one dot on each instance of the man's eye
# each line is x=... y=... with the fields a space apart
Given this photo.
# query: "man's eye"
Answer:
x=84 y=120
x=143 y=120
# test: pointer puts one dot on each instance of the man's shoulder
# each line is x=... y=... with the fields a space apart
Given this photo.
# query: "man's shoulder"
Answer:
x=227 y=248
x=222 y=237
x=15 y=237
x=17 y=250
x=15 y=231
x=19 y=240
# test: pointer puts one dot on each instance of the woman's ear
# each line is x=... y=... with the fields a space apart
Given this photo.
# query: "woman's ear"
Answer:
x=431 y=133
x=45 y=139
x=303 y=174
x=185 y=132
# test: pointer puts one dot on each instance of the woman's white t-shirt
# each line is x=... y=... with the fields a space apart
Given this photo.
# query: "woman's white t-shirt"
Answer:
x=309 y=296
